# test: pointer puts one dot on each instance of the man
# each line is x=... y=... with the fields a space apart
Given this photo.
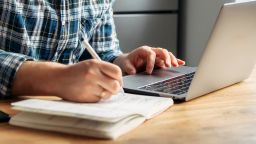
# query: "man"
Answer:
x=41 y=52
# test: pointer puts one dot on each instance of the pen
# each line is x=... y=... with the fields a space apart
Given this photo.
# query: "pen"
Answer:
x=92 y=52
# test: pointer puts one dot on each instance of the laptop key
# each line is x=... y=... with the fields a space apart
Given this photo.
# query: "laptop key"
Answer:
x=178 y=85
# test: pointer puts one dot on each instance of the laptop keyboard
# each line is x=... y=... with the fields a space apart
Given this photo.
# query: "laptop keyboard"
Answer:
x=178 y=85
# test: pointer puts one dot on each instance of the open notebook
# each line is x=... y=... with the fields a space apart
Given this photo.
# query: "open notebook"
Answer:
x=107 y=119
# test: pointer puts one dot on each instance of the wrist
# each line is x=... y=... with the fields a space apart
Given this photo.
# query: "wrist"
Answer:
x=119 y=61
x=54 y=74
x=37 y=78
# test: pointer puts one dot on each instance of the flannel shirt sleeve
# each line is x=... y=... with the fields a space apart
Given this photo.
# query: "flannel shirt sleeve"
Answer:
x=9 y=65
x=104 y=38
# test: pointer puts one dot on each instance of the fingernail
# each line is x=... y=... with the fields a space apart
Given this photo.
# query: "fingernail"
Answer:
x=132 y=72
x=176 y=63
x=162 y=65
x=149 y=72
x=169 y=63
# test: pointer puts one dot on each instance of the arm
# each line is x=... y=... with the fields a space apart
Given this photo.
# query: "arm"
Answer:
x=81 y=82
x=9 y=65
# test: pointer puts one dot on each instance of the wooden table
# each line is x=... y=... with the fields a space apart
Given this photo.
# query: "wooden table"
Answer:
x=226 y=116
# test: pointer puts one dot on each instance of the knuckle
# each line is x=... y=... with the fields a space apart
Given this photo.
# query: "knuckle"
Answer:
x=159 y=48
x=115 y=86
x=145 y=47
x=165 y=51
x=91 y=72
x=117 y=70
x=152 y=54
x=93 y=62
x=171 y=54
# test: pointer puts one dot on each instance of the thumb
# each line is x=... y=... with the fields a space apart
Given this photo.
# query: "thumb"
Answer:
x=129 y=68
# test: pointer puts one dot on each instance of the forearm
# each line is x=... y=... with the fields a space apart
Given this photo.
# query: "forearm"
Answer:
x=37 y=78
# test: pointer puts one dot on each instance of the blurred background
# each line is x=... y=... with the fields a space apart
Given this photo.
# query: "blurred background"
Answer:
x=181 y=26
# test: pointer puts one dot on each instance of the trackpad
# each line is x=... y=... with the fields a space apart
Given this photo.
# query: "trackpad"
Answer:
x=141 y=79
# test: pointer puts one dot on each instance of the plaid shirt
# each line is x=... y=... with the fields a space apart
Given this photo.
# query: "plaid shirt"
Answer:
x=50 y=30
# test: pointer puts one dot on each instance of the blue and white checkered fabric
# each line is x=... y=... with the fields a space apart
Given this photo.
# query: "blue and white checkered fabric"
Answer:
x=50 y=30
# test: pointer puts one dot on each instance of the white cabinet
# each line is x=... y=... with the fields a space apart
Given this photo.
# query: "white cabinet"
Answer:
x=146 y=22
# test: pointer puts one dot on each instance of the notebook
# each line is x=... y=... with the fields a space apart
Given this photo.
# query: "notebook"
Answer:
x=107 y=119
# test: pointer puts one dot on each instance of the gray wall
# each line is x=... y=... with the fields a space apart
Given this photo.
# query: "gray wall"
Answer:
x=196 y=23
x=146 y=22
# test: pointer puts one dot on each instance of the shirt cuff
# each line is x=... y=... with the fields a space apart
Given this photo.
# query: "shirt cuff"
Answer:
x=110 y=55
x=9 y=65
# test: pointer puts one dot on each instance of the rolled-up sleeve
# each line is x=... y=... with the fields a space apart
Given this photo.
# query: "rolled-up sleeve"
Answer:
x=9 y=65
x=104 y=38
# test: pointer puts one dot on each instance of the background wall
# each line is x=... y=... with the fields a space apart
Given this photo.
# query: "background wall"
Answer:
x=196 y=23
x=156 y=23
x=147 y=22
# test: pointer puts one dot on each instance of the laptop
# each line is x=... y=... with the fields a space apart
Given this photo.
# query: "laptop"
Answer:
x=229 y=58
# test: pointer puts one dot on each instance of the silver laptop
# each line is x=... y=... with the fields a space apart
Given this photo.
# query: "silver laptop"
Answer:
x=229 y=58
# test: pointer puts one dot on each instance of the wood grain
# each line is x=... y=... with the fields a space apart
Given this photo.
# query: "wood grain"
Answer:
x=225 y=116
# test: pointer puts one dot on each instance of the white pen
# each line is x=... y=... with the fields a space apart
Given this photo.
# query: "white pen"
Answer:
x=93 y=53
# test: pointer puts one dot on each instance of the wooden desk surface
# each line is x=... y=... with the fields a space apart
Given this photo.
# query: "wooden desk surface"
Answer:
x=226 y=116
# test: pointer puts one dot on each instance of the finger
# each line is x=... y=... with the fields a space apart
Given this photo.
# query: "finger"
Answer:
x=139 y=63
x=104 y=94
x=173 y=60
x=92 y=99
x=112 y=71
x=109 y=84
x=151 y=57
x=98 y=94
x=129 y=68
x=160 y=63
x=91 y=95
x=181 y=62
x=164 y=55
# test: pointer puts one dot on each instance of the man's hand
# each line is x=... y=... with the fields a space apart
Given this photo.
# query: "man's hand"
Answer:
x=146 y=58
x=87 y=81
x=90 y=80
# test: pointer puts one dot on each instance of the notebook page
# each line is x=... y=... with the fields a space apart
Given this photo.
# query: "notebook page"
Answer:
x=61 y=121
x=112 y=110
x=76 y=125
